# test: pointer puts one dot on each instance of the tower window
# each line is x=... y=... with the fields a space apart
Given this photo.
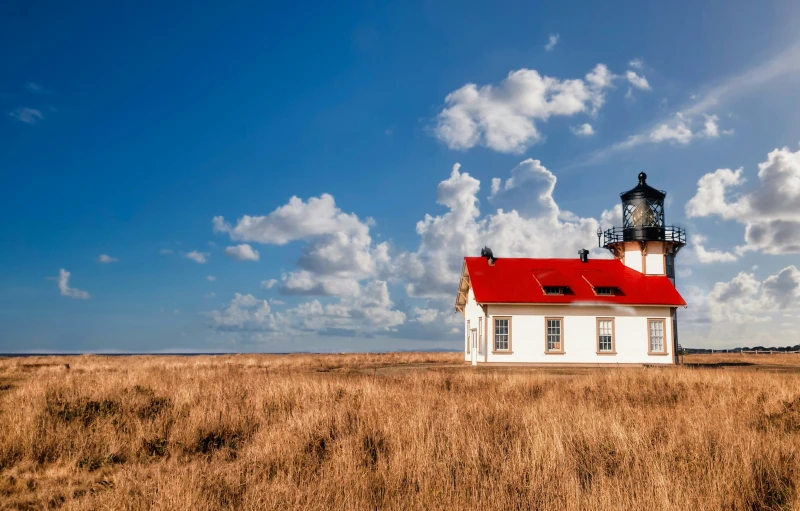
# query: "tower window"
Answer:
x=605 y=290
x=555 y=290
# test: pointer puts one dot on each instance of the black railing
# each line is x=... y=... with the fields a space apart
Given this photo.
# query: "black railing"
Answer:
x=619 y=234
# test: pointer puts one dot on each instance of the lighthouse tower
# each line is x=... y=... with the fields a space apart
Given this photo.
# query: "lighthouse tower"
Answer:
x=644 y=242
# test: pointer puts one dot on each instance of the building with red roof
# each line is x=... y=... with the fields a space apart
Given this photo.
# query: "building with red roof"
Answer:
x=591 y=311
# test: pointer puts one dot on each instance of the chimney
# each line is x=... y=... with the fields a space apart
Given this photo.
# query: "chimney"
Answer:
x=487 y=253
x=584 y=255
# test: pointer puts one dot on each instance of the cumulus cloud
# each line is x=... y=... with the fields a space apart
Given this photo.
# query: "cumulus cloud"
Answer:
x=244 y=312
x=705 y=255
x=269 y=284
x=338 y=252
x=504 y=117
x=525 y=228
x=552 y=41
x=584 y=129
x=770 y=212
x=745 y=299
x=198 y=257
x=27 y=115
x=638 y=81
x=242 y=252
x=63 y=286
x=105 y=258
x=370 y=311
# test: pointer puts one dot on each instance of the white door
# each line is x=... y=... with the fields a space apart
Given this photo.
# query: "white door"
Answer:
x=474 y=341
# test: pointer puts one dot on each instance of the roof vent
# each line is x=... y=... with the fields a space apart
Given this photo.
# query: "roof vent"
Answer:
x=584 y=255
x=487 y=253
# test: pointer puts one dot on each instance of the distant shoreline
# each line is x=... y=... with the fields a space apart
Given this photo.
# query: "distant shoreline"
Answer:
x=198 y=354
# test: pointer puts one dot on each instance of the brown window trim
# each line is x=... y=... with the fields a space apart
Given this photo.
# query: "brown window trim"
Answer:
x=663 y=342
x=469 y=339
x=613 y=336
x=554 y=352
x=501 y=352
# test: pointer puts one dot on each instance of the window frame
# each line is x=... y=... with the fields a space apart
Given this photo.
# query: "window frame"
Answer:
x=663 y=322
x=495 y=351
x=561 y=334
x=613 y=336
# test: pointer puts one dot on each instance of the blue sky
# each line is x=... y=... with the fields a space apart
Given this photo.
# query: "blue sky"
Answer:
x=126 y=130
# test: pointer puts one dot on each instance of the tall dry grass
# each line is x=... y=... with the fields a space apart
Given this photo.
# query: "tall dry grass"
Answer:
x=360 y=432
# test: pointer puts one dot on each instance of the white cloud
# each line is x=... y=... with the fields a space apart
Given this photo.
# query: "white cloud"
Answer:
x=552 y=41
x=786 y=63
x=105 y=258
x=27 y=115
x=584 y=129
x=675 y=131
x=770 y=212
x=242 y=252
x=210 y=295
x=637 y=64
x=211 y=278
x=638 y=81
x=198 y=257
x=707 y=256
x=503 y=117
x=63 y=286
x=370 y=311
x=745 y=299
x=165 y=251
x=337 y=255
x=245 y=312
x=35 y=87
x=711 y=128
x=525 y=228
x=268 y=284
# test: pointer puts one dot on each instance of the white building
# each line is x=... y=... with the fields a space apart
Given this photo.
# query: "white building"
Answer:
x=581 y=310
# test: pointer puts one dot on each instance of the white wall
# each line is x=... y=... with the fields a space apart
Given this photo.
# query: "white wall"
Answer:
x=473 y=313
x=633 y=256
x=579 y=334
x=654 y=260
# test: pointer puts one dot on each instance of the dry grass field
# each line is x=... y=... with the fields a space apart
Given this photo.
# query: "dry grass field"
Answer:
x=396 y=431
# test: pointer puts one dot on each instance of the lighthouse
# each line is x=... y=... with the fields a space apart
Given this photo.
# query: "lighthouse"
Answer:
x=644 y=242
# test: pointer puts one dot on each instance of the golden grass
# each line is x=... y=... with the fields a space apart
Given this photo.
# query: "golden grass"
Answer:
x=395 y=431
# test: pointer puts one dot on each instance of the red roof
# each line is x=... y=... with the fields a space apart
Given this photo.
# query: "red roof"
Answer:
x=514 y=280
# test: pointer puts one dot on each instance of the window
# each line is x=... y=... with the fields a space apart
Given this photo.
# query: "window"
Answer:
x=670 y=265
x=502 y=334
x=604 y=290
x=554 y=335
x=656 y=330
x=605 y=336
x=555 y=290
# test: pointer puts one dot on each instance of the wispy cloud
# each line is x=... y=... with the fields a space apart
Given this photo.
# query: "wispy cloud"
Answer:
x=198 y=257
x=27 y=115
x=36 y=88
x=105 y=258
x=552 y=41
x=63 y=286
x=784 y=63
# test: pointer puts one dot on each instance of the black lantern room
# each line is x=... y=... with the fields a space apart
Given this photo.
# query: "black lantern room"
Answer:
x=643 y=219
